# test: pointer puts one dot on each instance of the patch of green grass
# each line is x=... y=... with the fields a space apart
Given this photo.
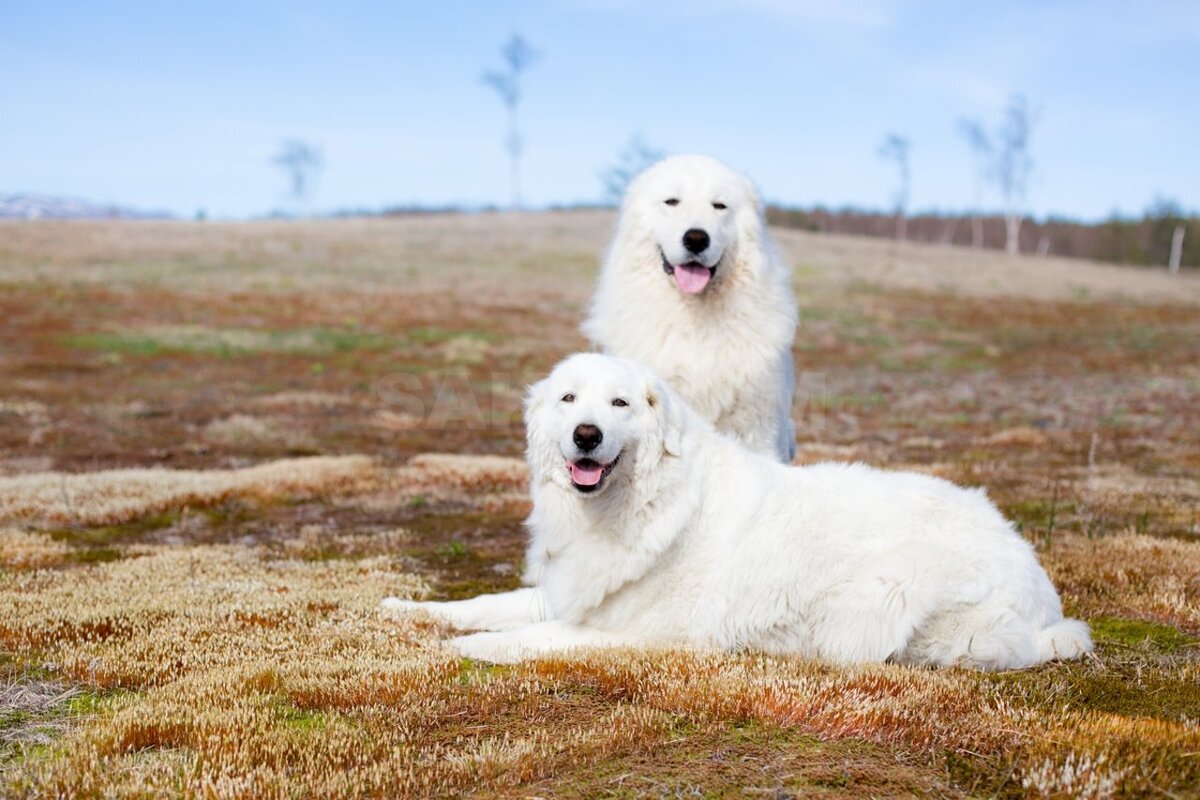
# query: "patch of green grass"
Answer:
x=102 y=536
x=30 y=736
x=455 y=550
x=873 y=400
x=301 y=720
x=91 y=702
x=1140 y=634
x=432 y=335
x=231 y=342
x=473 y=671
x=11 y=718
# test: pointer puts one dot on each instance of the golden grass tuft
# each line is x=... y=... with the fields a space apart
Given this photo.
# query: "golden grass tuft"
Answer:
x=312 y=399
x=469 y=473
x=22 y=550
x=491 y=483
x=1021 y=436
x=1130 y=575
x=316 y=542
x=112 y=497
x=243 y=430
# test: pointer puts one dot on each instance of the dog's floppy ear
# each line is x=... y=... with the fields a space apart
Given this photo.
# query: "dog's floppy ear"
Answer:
x=535 y=398
x=667 y=409
x=750 y=234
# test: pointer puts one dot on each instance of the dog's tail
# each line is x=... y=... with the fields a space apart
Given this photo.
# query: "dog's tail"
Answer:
x=1065 y=639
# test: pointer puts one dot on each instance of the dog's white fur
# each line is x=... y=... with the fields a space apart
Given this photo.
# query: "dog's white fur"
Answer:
x=727 y=350
x=691 y=540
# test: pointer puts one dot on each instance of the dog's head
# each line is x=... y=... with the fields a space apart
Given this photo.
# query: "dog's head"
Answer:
x=696 y=211
x=599 y=420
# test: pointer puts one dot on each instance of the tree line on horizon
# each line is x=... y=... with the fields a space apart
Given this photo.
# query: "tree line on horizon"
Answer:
x=1144 y=240
x=1164 y=235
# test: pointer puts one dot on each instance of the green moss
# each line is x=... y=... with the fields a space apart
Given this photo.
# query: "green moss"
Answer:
x=756 y=760
x=475 y=671
x=90 y=702
x=1130 y=687
x=464 y=548
x=451 y=588
x=96 y=555
x=1151 y=695
x=299 y=719
x=1139 y=633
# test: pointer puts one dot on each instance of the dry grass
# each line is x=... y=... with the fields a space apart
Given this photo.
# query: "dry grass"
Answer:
x=210 y=629
x=264 y=677
x=107 y=498
x=1134 y=576
x=485 y=249
x=23 y=550
x=247 y=432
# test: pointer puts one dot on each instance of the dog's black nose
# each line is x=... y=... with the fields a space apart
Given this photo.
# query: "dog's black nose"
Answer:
x=588 y=437
x=696 y=240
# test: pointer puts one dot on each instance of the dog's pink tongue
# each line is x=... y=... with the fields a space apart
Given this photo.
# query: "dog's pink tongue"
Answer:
x=588 y=475
x=691 y=280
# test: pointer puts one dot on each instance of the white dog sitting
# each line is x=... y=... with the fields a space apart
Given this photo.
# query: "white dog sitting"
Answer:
x=693 y=286
x=650 y=528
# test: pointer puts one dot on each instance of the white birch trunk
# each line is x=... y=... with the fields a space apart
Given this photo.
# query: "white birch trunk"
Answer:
x=1176 y=249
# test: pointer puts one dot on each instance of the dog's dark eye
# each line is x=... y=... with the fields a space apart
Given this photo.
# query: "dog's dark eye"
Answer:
x=619 y=403
x=568 y=398
x=719 y=206
x=674 y=201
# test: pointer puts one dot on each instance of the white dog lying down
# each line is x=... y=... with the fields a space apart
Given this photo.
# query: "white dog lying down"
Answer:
x=652 y=529
x=693 y=286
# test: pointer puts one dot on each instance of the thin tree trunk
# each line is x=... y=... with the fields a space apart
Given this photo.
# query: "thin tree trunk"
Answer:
x=1012 y=224
x=515 y=146
x=1176 y=249
x=949 y=230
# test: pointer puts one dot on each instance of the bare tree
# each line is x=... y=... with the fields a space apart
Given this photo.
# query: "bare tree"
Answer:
x=896 y=148
x=1005 y=161
x=1176 y=249
x=301 y=162
x=981 y=147
x=636 y=156
x=518 y=55
x=1013 y=165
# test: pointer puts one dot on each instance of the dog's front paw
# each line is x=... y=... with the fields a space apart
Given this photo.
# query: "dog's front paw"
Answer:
x=494 y=647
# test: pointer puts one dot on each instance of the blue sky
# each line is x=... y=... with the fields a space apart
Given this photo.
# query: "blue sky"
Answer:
x=180 y=105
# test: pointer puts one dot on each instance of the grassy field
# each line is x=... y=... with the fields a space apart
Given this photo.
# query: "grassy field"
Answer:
x=221 y=445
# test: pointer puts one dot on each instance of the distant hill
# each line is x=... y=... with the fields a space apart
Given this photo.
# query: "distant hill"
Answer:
x=42 y=206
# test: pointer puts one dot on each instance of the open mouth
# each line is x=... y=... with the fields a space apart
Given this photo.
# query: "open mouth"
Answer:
x=587 y=474
x=691 y=277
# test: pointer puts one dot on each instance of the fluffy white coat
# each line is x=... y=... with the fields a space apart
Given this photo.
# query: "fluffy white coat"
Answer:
x=725 y=347
x=689 y=539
